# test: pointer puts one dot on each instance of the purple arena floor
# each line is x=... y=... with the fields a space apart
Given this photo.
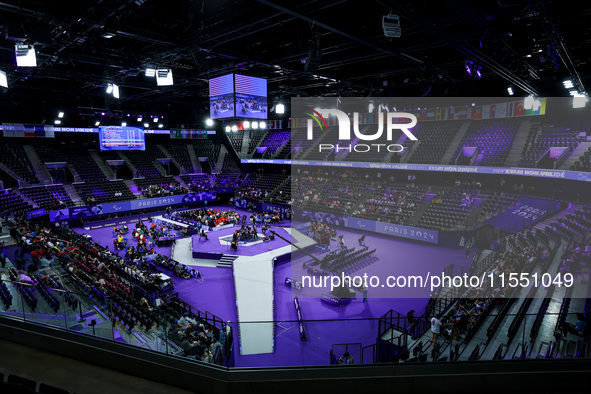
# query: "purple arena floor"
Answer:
x=326 y=325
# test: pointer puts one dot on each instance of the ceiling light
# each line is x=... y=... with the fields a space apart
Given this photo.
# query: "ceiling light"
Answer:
x=97 y=123
x=60 y=114
x=123 y=124
x=246 y=124
x=528 y=102
x=57 y=121
x=146 y=125
x=164 y=77
x=580 y=100
x=228 y=129
x=160 y=125
x=262 y=125
x=510 y=91
x=568 y=84
x=3 y=79
x=255 y=125
x=139 y=118
x=113 y=90
x=234 y=128
x=209 y=122
x=150 y=72
x=280 y=108
x=25 y=55
x=108 y=35
x=155 y=120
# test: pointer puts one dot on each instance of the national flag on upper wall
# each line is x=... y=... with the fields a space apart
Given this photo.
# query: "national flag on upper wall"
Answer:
x=486 y=112
x=541 y=110
x=451 y=113
x=510 y=109
x=477 y=112
x=500 y=110
x=431 y=114
x=462 y=113
x=438 y=114
x=423 y=114
x=519 y=108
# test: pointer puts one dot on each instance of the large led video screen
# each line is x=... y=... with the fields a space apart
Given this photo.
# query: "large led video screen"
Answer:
x=121 y=138
x=221 y=97
x=251 y=97
x=236 y=95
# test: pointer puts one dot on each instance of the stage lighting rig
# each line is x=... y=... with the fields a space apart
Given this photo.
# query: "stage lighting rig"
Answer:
x=391 y=25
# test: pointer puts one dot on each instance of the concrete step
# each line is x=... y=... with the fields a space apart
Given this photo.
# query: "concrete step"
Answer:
x=40 y=171
x=194 y=159
x=72 y=193
x=227 y=260
x=101 y=164
x=575 y=155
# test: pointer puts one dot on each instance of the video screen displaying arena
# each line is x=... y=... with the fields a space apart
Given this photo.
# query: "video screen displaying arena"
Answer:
x=221 y=97
x=251 y=97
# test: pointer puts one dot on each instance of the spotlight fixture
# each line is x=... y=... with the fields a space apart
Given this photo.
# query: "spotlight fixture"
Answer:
x=478 y=72
x=146 y=125
x=568 y=84
x=209 y=122
x=3 y=80
x=160 y=125
x=113 y=90
x=580 y=100
x=391 y=25
x=510 y=91
x=469 y=67
x=25 y=55
x=150 y=72
x=155 y=119
x=280 y=108
x=164 y=77
x=123 y=124
x=139 y=118
x=57 y=121
x=97 y=123
x=60 y=114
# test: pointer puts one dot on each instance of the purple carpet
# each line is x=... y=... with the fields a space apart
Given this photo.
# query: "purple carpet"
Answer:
x=326 y=325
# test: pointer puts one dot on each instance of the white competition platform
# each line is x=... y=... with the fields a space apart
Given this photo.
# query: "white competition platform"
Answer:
x=253 y=280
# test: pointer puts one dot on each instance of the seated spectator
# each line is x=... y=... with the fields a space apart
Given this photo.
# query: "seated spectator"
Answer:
x=579 y=328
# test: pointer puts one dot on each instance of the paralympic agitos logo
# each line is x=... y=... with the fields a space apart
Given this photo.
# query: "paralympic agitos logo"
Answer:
x=392 y=122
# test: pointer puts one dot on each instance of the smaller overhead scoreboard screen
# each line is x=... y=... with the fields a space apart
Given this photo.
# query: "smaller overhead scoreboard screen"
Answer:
x=121 y=138
x=188 y=134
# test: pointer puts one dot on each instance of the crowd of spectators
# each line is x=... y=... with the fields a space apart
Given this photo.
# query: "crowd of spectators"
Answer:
x=163 y=189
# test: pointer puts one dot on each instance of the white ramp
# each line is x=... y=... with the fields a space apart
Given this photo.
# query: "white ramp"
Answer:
x=253 y=279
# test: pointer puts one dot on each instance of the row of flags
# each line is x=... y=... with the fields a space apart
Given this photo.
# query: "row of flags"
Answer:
x=477 y=112
x=23 y=130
